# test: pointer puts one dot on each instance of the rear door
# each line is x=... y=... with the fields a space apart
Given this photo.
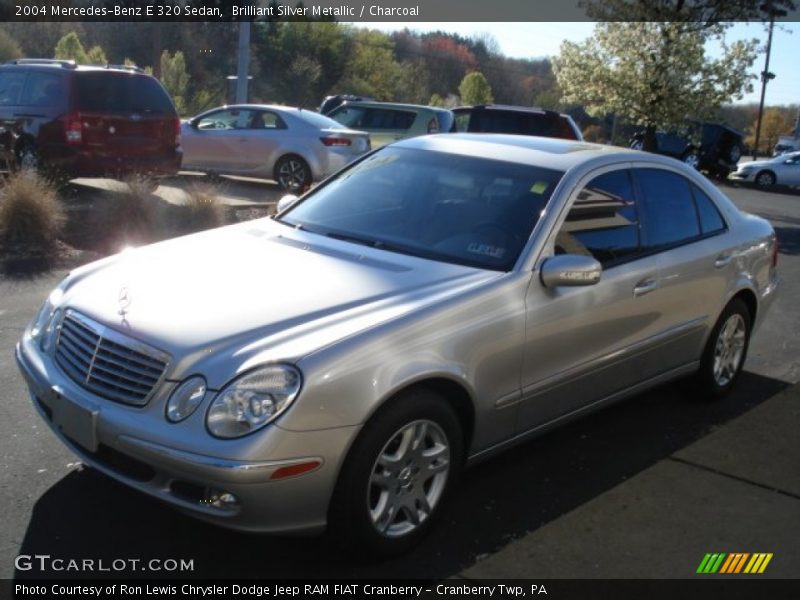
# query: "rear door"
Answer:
x=262 y=137
x=125 y=115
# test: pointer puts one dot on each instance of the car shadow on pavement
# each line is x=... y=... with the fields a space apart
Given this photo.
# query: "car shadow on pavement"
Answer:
x=89 y=516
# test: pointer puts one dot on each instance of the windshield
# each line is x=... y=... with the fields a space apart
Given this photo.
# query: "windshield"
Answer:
x=448 y=207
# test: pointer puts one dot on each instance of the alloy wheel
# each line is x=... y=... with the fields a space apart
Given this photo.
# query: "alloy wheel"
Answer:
x=729 y=349
x=408 y=478
x=692 y=160
x=292 y=174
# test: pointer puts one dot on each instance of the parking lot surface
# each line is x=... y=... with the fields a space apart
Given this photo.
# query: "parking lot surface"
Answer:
x=662 y=475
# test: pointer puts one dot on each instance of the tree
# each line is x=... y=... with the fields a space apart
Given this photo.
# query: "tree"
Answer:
x=695 y=14
x=474 y=89
x=69 y=47
x=653 y=74
x=9 y=49
x=776 y=122
x=436 y=100
x=96 y=56
x=175 y=78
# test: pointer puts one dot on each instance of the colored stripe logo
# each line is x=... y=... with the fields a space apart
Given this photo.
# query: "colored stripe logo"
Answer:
x=734 y=563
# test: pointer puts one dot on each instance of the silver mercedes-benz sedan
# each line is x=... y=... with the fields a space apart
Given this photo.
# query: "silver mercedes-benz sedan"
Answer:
x=435 y=302
x=293 y=146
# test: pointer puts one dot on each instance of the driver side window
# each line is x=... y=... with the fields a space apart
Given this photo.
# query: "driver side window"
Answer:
x=603 y=221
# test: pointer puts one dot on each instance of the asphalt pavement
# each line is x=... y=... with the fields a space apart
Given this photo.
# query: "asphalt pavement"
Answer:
x=641 y=490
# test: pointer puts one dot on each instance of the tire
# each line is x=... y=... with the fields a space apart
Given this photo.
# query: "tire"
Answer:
x=765 y=179
x=725 y=351
x=637 y=145
x=691 y=159
x=390 y=494
x=292 y=173
x=28 y=159
x=734 y=154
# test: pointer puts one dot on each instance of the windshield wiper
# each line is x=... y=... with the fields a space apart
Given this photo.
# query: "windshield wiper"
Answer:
x=346 y=237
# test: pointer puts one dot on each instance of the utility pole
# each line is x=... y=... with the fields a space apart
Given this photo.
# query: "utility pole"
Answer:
x=765 y=77
x=243 y=63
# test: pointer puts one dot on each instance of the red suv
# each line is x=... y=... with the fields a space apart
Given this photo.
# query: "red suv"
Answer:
x=82 y=121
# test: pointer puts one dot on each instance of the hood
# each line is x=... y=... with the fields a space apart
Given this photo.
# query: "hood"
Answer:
x=256 y=288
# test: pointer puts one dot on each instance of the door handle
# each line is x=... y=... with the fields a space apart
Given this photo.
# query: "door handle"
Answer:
x=723 y=260
x=645 y=286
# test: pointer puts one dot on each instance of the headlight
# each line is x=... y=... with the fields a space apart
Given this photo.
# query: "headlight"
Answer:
x=43 y=325
x=253 y=400
x=186 y=398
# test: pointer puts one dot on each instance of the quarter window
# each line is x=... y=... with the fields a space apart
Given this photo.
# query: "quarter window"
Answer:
x=668 y=210
x=603 y=221
x=43 y=89
x=11 y=87
x=710 y=219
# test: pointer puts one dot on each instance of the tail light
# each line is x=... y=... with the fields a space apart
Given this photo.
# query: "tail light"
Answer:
x=177 y=131
x=775 y=253
x=433 y=126
x=336 y=141
x=73 y=128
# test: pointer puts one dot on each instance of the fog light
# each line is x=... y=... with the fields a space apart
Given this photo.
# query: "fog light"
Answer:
x=221 y=499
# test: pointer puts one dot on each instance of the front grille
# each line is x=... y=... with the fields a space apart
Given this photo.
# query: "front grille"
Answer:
x=106 y=362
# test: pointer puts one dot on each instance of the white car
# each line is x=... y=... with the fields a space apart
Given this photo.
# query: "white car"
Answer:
x=293 y=146
x=781 y=170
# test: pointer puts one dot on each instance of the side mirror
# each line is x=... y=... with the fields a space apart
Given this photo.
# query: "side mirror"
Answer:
x=286 y=202
x=570 y=270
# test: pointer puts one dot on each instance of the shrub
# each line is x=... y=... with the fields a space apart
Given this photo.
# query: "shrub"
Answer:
x=204 y=210
x=31 y=218
x=130 y=215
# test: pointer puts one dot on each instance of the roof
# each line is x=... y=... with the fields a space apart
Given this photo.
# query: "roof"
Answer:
x=545 y=152
x=398 y=105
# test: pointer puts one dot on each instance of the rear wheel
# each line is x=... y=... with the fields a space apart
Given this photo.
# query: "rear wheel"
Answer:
x=726 y=350
x=28 y=159
x=691 y=159
x=398 y=475
x=637 y=145
x=292 y=173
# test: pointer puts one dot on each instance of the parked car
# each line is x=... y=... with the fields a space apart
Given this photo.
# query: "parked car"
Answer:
x=433 y=303
x=88 y=121
x=781 y=170
x=709 y=147
x=290 y=145
x=387 y=122
x=331 y=102
x=787 y=143
x=497 y=118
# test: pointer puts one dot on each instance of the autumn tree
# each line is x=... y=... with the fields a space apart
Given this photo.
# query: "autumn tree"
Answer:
x=474 y=89
x=776 y=122
x=653 y=74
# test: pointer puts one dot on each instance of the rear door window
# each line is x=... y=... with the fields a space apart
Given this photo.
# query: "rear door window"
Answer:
x=11 y=84
x=121 y=92
x=668 y=209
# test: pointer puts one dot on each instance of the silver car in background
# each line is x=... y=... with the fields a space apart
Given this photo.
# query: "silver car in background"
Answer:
x=436 y=302
x=779 y=170
x=293 y=146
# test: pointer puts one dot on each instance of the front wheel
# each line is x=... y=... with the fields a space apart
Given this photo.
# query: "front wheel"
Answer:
x=28 y=159
x=765 y=179
x=726 y=350
x=292 y=173
x=397 y=476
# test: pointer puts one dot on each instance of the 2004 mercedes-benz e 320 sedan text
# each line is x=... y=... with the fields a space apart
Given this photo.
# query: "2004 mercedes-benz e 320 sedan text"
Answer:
x=439 y=299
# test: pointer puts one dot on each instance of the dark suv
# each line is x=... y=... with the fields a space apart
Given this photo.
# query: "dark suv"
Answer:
x=81 y=121
x=521 y=120
x=710 y=147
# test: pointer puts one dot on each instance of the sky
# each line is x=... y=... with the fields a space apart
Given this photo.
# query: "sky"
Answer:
x=537 y=40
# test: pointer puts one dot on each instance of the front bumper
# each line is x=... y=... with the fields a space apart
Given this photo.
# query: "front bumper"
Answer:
x=747 y=176
x=188 y=479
